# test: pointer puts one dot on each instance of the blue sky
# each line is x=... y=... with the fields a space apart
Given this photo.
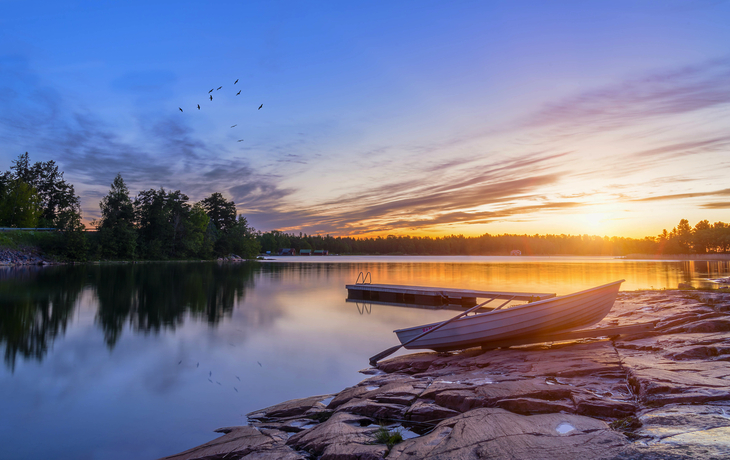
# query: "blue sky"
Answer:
x=432 y=118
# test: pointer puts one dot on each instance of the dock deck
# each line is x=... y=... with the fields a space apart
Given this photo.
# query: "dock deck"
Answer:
x=423 y=295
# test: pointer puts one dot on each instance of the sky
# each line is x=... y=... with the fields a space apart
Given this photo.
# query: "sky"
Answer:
x=426 y=118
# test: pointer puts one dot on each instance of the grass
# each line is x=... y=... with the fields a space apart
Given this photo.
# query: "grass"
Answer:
x=627 y=426
x=321 y=416
x=14 y=239
x=388 y=437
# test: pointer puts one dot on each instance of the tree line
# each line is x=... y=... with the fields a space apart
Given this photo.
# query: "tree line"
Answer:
x=154 y=225
x=703 y=238
x=159 y=224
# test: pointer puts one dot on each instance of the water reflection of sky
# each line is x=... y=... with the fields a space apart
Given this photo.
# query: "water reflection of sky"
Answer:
x=197 y=346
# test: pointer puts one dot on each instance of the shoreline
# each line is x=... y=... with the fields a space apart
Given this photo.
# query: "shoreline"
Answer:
x=658 y=394
x=30 y=255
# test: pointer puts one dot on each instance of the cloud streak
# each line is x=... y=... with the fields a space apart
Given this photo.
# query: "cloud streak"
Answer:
x=677 y=91
x=681 y=196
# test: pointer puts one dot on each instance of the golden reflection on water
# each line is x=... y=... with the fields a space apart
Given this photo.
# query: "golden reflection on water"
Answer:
x=526 y=274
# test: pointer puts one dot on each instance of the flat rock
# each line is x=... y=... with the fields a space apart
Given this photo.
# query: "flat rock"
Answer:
x=341 y=429
x=500 y=434
x=240 y=442
x=684 y=432
x=529 y=406
x=354 y=452
x=423 y=411
x=294 y=407
x=373 y=409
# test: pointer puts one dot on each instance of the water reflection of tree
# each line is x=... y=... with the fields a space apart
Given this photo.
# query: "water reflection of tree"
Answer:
x=35 y=306
x=36 y=303
x=152 y=297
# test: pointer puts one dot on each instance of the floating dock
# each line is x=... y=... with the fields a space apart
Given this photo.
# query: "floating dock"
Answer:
x=422 y=295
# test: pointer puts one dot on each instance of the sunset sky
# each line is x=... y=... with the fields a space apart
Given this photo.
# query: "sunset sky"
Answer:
x=423 y=118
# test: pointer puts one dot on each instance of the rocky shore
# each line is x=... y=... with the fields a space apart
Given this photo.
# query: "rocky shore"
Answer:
x=663 y=394
x=24 y=256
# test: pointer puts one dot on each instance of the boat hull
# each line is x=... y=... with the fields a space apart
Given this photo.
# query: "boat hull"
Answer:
x=559 y=314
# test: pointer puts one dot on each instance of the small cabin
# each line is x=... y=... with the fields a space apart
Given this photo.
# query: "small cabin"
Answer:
x=305 y=252
x=320 y=252
x=287 y=252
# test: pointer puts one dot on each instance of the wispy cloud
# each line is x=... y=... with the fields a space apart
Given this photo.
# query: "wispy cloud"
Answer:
x=718 y=205
x=680 y=196
x=671 y=92
x=688 y=148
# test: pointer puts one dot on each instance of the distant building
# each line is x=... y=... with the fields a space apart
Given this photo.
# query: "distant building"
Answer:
x=287 y=252
x=515 y=252
x=305 y=252
x=320 y=252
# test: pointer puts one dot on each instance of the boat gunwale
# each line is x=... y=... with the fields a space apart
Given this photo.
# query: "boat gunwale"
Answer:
x=515 y=309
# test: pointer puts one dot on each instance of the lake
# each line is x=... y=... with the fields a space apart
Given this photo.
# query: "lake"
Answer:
x=120 y=361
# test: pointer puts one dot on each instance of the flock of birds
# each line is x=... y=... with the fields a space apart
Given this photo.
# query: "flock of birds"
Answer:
x=211 y=99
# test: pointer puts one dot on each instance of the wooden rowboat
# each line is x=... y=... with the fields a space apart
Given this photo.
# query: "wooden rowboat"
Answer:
x=559 y=314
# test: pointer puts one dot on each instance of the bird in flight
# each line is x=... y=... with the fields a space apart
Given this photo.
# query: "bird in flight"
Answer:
x=198 y=106
x=219 y=88
x=238 y=93
x=211 y=98
x=235 y=81
x=234 y=125
x=240 y=140
x=211 y=91
x=261 y=106
x=180 y=108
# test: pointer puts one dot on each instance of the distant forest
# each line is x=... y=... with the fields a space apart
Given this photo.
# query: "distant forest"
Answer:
x=164 y=225
x=703 y=238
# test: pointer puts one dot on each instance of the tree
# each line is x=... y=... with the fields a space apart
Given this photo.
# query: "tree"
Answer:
x=199 y=242
x=239 y=240
x=702 y=237
x=222 y=212
x=165 y=228
x=60 y=207
x=153 y=222
x=20 y=205
x=117 y=232
x=684 y=236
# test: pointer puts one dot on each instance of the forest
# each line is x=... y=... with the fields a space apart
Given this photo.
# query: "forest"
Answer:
x=155 y=225
x=159 y=224
x=703 y=238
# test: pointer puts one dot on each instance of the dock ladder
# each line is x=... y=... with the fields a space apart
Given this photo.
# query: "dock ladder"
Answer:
x=365 y=278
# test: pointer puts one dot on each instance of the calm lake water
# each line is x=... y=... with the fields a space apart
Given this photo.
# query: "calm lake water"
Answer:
x=146 y=360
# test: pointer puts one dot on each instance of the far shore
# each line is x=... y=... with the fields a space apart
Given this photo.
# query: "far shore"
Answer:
x=33 y=256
